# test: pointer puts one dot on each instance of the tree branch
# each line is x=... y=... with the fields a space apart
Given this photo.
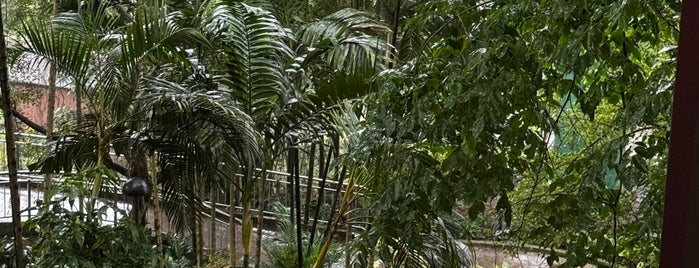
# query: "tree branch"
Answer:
x=29 y=122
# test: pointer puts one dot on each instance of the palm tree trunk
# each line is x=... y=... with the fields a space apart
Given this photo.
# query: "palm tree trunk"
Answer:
x=78 y=104
x=336 y=199
x=232 y=201
x=247 y=215
x=370 y=261
x=102 y=152
x=79 y=121
x=290 y=186
x=200 y=219
x=393 y=38
x=321 y=195
x=10 y=149
x=212 y=226
x=260 y=218
x=247 y=230
x=297 y=205
x=309 y=186
x=153 y=170
x=50 y=111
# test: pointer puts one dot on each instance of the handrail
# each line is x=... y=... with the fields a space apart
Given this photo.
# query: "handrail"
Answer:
x=530 y=248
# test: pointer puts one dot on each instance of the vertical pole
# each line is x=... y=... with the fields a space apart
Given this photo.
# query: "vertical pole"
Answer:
x=680 y=236
x=136 y=210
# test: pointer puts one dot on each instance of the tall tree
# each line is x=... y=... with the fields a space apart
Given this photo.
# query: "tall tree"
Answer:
x=10 y=150
x=50 y=110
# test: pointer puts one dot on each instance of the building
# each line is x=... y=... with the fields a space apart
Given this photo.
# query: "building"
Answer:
x=28 y=79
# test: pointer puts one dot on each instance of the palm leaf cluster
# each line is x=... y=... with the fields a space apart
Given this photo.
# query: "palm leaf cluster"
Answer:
x=207 y=94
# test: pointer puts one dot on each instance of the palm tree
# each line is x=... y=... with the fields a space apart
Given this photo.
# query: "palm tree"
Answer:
x=134 y=108
x=290 y=106
x=115 y=65
x=142 y=84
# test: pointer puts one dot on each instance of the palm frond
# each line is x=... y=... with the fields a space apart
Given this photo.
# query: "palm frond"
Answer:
x=348 y=40
x=255 y=55
x=165 y=98
x=48 y=45
x=154 y=35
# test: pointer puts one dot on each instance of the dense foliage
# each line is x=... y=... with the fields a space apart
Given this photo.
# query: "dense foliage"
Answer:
x=559 y=108
x=533 y=122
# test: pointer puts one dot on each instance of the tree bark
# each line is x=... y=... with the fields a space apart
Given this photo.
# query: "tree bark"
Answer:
x=336 y=199
x=297 y=205
x=153 y=171
x=232 y=201
x=50 y=111
x=10 y=149
x=394 y=33
x=247 y=214
x=200 y=219
x=260 y=218
x=309 y=186
x=321 y=195
x=212 y=228
x=290 y=163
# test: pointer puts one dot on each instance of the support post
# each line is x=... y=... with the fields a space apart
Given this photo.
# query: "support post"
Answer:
x=680 y=236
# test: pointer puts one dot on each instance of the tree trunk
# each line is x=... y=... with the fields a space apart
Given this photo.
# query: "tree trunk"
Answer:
x=232 y=202
x=309 y=186
x=290 y=163
x=10 y=149
x=200 y=219
x=321 y=195
x=247 y=230
x=78 y=104
x=212 y=228
x=393 y=38
x=50 y=112
x=336 y=199
x=79 y=122
x=260 y=218
x=247 y=215
x=297 y=205
x=155 y=196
